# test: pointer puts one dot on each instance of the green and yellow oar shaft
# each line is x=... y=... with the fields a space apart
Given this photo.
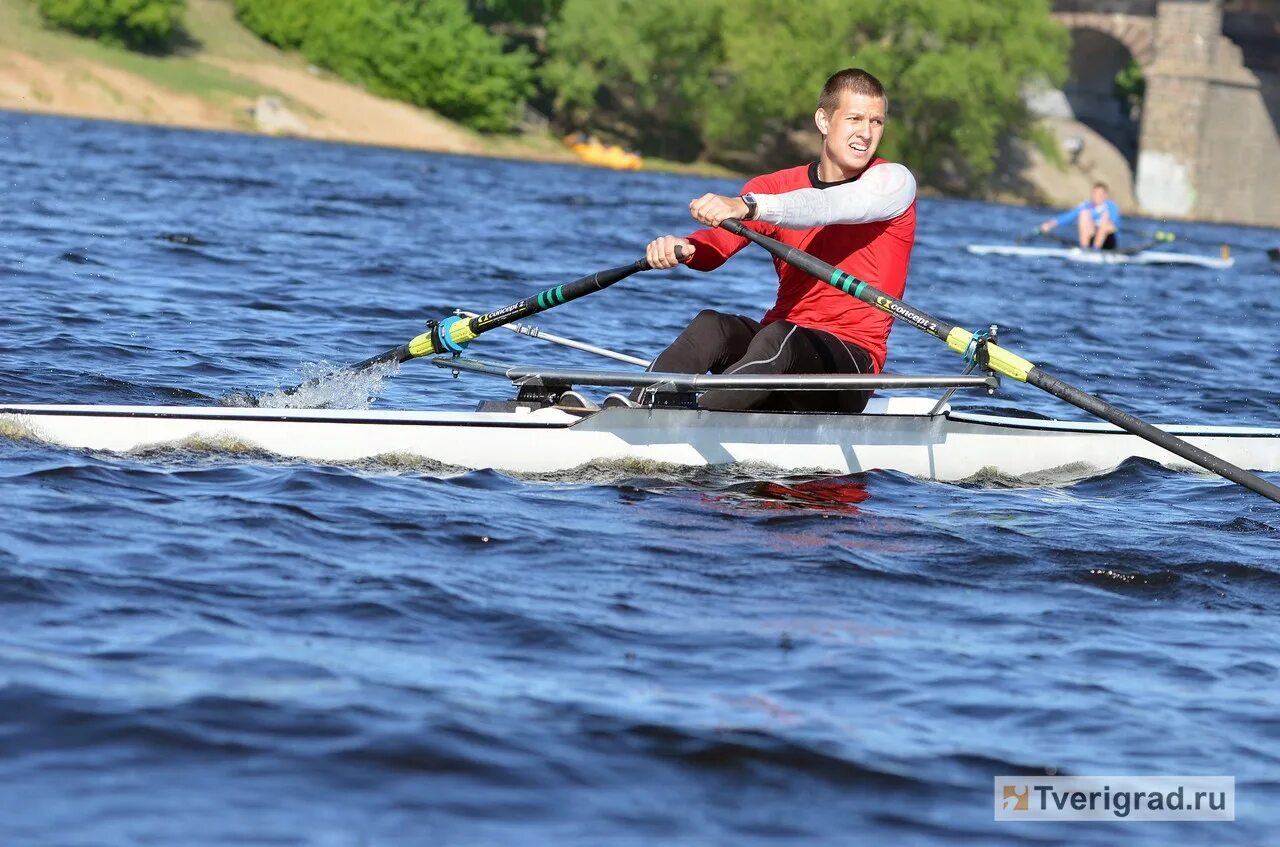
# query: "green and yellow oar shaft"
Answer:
x=957 y=338
x=1003 y=361
x=454 y=333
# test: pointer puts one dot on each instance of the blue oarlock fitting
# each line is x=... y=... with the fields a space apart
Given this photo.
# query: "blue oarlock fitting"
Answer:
x=441 y=336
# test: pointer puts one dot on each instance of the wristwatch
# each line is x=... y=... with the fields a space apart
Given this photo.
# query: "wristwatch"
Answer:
x=750 y=200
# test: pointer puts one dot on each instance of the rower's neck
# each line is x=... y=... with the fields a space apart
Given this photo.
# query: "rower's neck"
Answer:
x=828 y=172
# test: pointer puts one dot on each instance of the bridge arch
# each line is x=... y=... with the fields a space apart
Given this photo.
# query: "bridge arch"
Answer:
x=1136 y=32
x=1104 y=44
x=1217 y=59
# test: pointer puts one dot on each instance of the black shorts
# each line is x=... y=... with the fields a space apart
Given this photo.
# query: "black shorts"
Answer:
x=1110 y=243
x=734 y=344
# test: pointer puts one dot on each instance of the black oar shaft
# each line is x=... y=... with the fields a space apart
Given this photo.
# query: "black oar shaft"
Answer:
x=452 y=334
x=553 y=297
x=837 y=278
x=1005 y=362
x=397 y=355
x=957 y=338
x=1097 y=406
x=425 y=345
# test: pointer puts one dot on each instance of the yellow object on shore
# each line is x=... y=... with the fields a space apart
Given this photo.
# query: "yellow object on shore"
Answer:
x=594 y=152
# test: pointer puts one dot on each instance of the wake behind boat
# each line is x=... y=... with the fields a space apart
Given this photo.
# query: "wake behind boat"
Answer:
x=1104 y=257
x=538 y=431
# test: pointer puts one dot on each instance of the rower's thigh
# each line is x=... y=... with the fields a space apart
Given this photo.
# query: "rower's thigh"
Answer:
x=729 y=332
x=711 y=342
x=726 y=337
x=782 y=348
x=776 y=349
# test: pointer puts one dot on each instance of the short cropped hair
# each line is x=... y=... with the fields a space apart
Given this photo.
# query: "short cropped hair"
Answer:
x=853 y=80
x=1101 y=185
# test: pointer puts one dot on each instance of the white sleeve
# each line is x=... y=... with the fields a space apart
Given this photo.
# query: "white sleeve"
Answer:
x=883 y=193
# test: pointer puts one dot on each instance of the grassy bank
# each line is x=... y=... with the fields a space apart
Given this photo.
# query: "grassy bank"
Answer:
x=214 y=33
x=213 y=80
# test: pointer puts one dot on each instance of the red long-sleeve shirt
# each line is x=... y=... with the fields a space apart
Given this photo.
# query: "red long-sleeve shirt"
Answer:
x=877 y=252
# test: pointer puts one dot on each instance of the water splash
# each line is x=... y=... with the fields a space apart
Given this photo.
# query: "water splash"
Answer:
x=323 y=386
x=15 y=428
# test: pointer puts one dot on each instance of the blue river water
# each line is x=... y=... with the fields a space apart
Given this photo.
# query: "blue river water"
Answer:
x=210 y=647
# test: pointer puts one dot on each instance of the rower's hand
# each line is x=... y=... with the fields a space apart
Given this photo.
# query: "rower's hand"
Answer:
x=1047 y=225
x=711 y=209
x=661 y=252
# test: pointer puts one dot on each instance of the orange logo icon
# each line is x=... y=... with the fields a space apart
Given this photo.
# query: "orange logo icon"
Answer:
x=1016 y=801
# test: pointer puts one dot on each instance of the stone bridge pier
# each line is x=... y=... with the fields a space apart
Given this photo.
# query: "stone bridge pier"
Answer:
x=1206 y=143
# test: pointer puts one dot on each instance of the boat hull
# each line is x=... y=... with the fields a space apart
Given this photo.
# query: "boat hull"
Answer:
x=901 y=435
x=1104 y=257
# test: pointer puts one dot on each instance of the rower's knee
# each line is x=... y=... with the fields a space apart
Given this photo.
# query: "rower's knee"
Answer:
x=774 y=333
x=767 y=352
x=707 y=322
x=709 y=316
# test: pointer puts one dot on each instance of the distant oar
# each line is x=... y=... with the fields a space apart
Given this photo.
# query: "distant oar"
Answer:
x=1224 y=246
x=1003 y=361
x=454 y=333
x=1153 y=239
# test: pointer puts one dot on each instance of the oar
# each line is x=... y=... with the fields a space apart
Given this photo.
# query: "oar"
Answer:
x=1161 y=235
x=1003 y=361
x=1075 y=242
x=454 y=333
x=543 y=335
x=1224 y=246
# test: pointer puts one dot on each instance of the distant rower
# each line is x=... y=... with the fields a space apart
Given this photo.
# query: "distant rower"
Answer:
x=1097 y=220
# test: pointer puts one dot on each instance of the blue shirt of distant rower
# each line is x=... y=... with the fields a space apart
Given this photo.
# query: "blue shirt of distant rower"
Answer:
x=1095 y=211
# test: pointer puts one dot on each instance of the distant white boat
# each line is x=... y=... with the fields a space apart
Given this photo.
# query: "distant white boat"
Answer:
x=1104 y=257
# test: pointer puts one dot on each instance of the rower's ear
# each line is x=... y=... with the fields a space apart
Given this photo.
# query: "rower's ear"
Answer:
x=823 y=120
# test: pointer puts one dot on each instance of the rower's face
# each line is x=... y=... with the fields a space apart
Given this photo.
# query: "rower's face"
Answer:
x=1099 y=196
x=851 y=133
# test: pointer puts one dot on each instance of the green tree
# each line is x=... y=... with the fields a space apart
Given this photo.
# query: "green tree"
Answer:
x=648 y=65
x=1129 y=88
x=149 y=25
x=738 y=77
x=284 y=23
x=426 y=52
x=519 y=13
x=954 y=71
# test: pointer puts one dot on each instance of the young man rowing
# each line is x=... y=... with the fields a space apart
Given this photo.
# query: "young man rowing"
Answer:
x=1097 y=220
x=850 y=209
